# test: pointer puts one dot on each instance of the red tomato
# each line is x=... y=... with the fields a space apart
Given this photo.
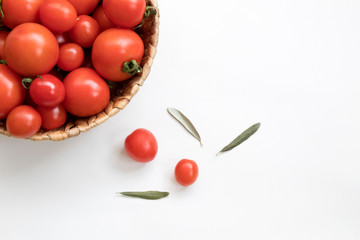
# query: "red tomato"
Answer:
x=71 y=56
x=186 y=172
x=141 y=145
x=12 y=93
x=52 y=117
x=62 y=38
x=47 y=90
x=102 y=19
x=3 y=35
x=112 y=48
x=86 y=92
x=85 y=31
x=84 y=6
x=23 y=121
x=31 y=49
x=125 y=13
x=20 y=11
x=58 y=15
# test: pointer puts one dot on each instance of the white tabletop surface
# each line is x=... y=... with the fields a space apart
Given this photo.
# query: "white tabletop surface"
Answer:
x=291 y=65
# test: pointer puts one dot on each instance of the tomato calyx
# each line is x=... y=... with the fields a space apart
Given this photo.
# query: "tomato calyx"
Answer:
x=131 y=68
x=26 y=82
x=149 y=10
x=2 y=61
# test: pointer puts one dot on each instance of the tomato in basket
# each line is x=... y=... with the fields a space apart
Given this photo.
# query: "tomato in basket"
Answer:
x=85 y=31
x=84 y=6
x=23 y=121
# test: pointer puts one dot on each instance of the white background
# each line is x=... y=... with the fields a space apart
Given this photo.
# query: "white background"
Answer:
x=291 y=65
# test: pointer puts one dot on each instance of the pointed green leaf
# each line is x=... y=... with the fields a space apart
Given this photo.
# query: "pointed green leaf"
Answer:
x=150 y=195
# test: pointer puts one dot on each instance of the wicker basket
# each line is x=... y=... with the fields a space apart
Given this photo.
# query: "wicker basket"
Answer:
x=121 y=93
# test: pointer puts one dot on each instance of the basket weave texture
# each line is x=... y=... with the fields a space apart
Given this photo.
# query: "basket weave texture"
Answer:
x=121 y=93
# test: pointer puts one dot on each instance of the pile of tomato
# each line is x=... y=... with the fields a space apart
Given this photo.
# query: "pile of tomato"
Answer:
x=58 y=57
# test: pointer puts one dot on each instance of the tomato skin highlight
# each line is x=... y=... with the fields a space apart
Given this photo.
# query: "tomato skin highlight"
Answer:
x=47 y=91
x=85 y=31
x=71 y=56
x=84 y=7
x=141 y=145
x=112 y=48
x=57 y=15
x=52 y=117
x=12 y=93
x=86 y=92
x=20 y=11
x=31 y=49
x=23 y=121
x=125 y=13
x=186 y=172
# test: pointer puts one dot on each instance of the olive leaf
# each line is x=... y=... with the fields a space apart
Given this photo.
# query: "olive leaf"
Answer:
x=241 y=138
x=149 y=195
x=187 y=124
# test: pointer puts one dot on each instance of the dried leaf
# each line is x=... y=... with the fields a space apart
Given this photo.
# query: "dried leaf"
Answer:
x=181 y=118
x=150 y=195
x=241 y=138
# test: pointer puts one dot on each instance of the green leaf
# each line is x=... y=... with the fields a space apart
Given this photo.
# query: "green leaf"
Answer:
x=241 y=138
x=181 y=118
x=150 y=195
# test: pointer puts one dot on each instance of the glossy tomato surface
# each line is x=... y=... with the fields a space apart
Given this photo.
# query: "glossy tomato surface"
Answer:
x=20 y=11
x=71 y=56
x=23 y=121
x=47 y=90
x=125 y=13
x=31 y=49
x=186 y=172
x=141 y=145
x=85 y=31
x=102 y=19
x=84 y=6
x=112 y=48
x=86 y=92
x=62 y=38
x=58 y=15
x=3 y=35
x=52 y=117
x=12 y=93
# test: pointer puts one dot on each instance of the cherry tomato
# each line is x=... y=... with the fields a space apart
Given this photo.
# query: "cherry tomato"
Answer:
x=141 y=145
x=52 y=117
x=23 y=121
x=62 y=38
x=3 y=35
x=112 y=48
x=12 y=93
x=86 y=92
x=84 y=7
x=102 y=19
x=20 y=11
x=85 y=31
x=31 y=49
x=186 y=172
x=71 y=56
x=125 y=13
x=47 y=90
x=58 y=15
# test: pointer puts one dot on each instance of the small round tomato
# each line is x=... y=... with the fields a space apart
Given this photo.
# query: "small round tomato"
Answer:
x=52 y=117
x=186 y=172
x=23 y=121
x=102 y=19
x=31 y=49
x=62 y=38
x=85 y=31
x=141 y=145
x=84 y=7
x=47 y=90
x=20 y=11
x=86 y=92
x=58 y=15
x=3 y=35
x=12 y=93
x=71 y=56
x=112 y=49
x=125 y=13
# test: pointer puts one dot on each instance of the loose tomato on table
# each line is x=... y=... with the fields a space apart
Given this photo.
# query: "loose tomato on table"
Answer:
x=86 y=92
x=114 y=49
x=141 y=145
x=31 y=49
x=23 y=121
x=52 y=117
x=85 y=31
x=20 y=11
x=12 y=93
x=84 y=6
x=186 y=172
x=71 y=56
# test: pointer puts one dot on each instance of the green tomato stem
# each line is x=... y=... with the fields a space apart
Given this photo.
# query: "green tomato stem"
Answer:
x=26 y=82
x=149 y=10
x=131 y=68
